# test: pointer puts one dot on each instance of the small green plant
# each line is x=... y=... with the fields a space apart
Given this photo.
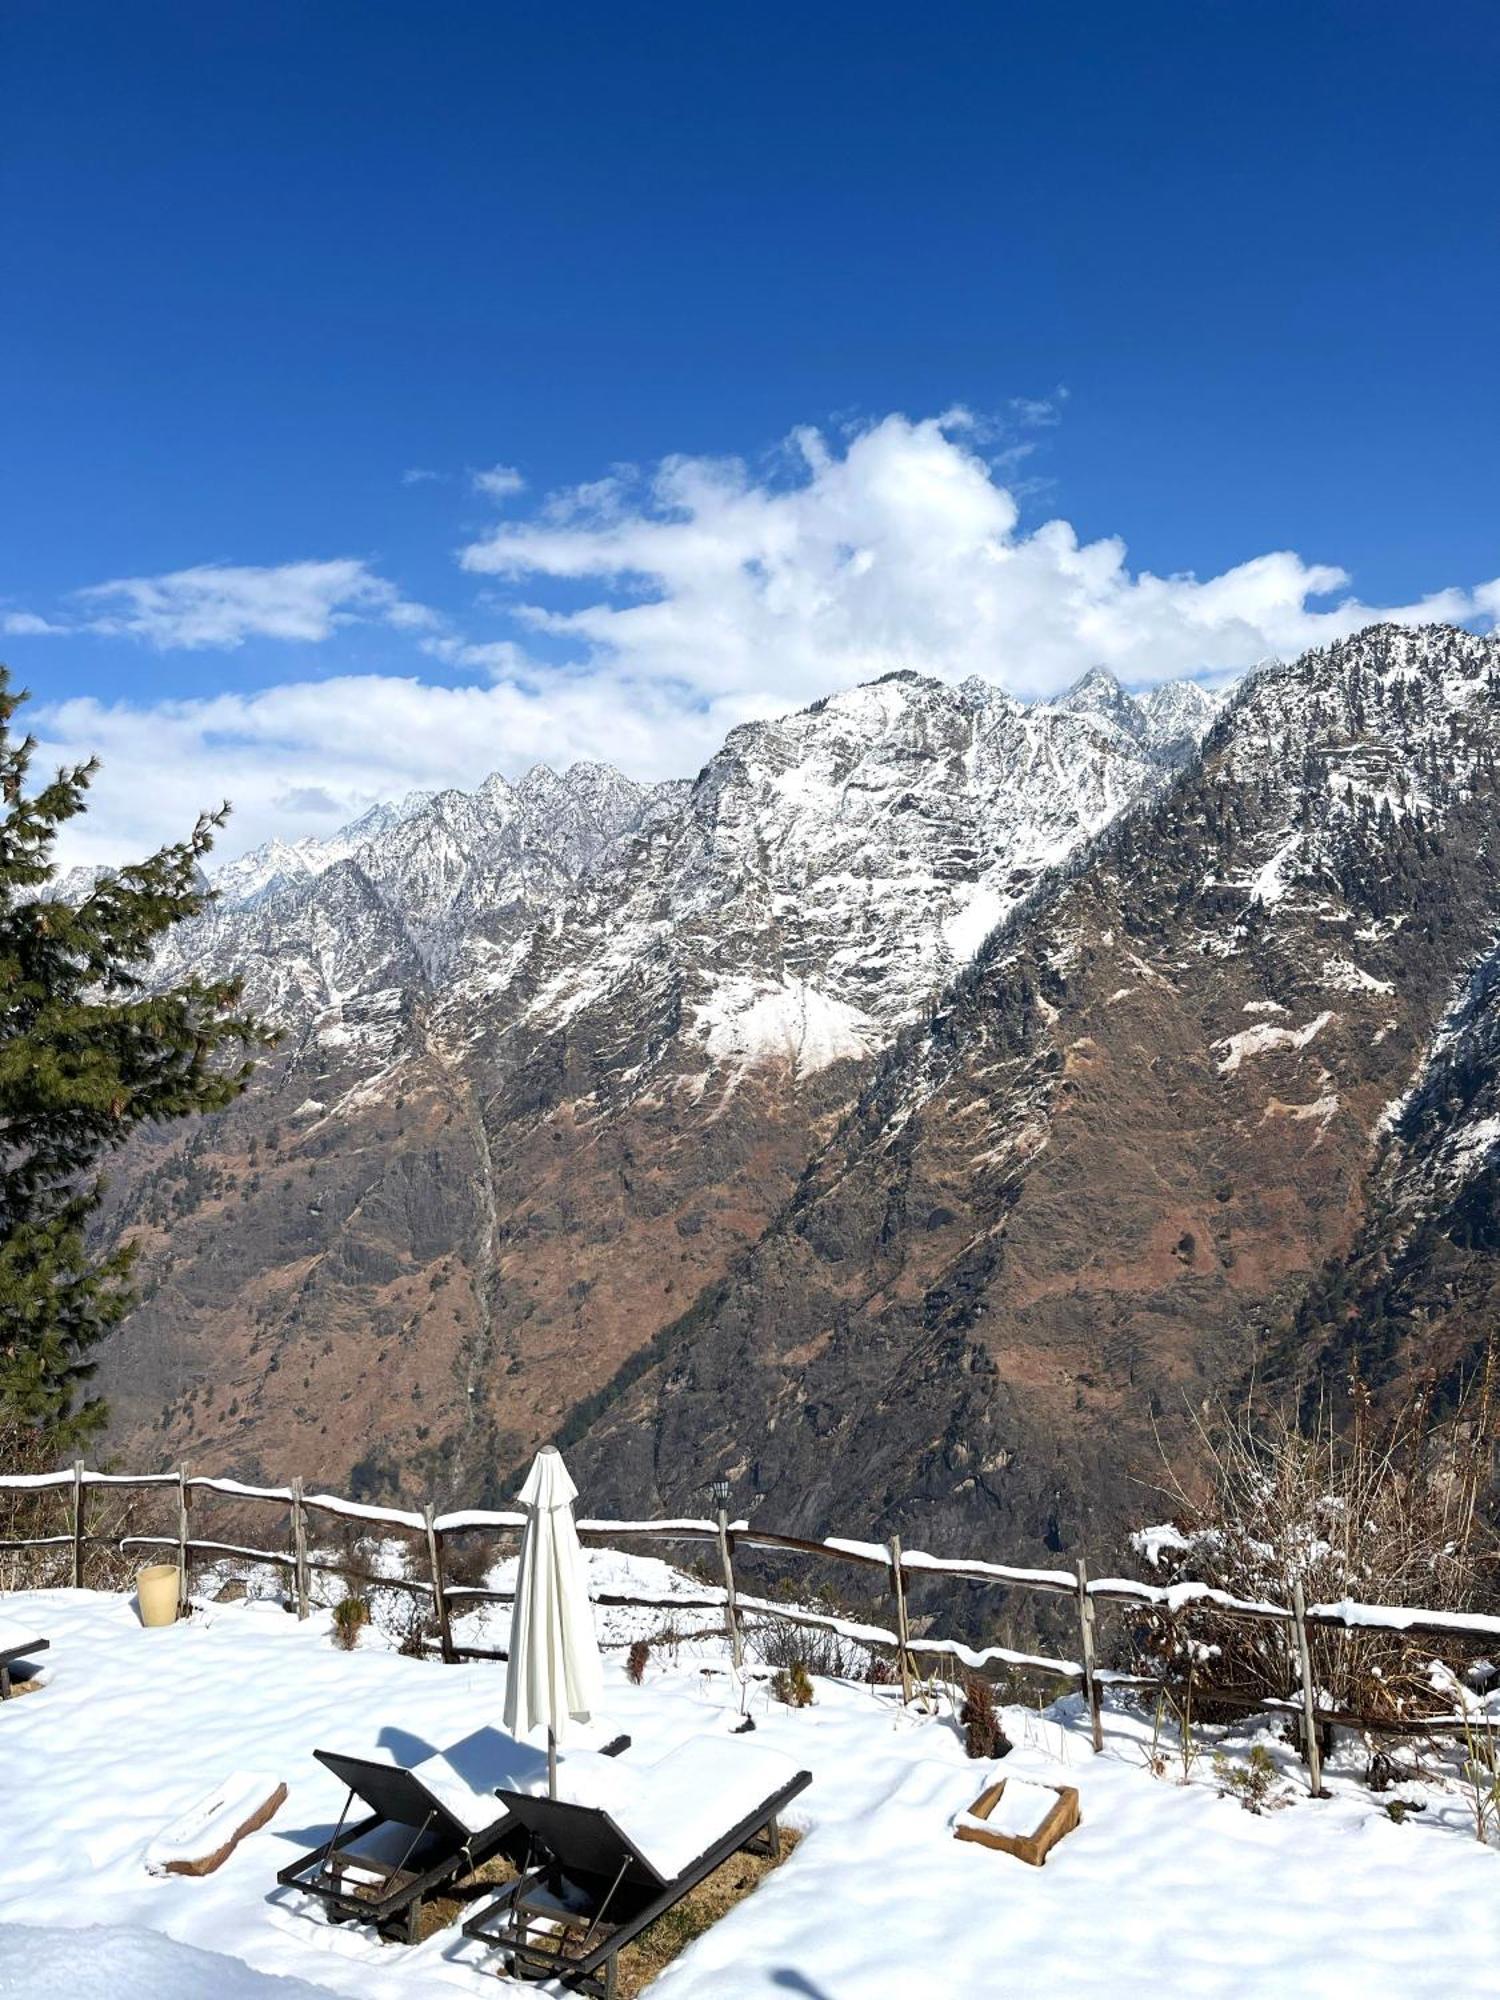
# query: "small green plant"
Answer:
x=793 y=1686
x=350 y=1616
x=1255 y=1783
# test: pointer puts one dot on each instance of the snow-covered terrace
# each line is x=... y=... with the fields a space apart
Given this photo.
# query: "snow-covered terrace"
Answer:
x=1166 y=1888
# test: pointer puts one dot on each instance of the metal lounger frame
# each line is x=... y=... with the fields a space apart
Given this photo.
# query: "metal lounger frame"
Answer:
x=398 y=1798
x=503 y=1921
x=9 y=1655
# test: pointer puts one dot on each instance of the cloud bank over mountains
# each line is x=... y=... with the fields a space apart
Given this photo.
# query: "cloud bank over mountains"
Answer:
x=635 y=619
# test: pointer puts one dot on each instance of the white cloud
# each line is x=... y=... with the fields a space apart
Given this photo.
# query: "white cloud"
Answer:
x=500 y=482
x=221 y=605
x=419 y=475
x=902 y=549
x=294 y=759
x=664 y=608
x=27 y=625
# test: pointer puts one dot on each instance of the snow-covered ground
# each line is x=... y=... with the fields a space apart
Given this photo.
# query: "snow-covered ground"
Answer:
x=1164 y=1889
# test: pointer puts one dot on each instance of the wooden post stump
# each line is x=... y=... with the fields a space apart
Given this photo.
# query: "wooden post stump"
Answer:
x=299 y=1549
x=439 y=1592
x=1090 y=1670
x=731 y=1605
x=182 y=1540
x=1309 y=1708
x=78 y=1524
x=898 y=1591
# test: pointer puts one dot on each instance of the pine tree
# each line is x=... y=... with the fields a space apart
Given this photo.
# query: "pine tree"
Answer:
x=88 y=1052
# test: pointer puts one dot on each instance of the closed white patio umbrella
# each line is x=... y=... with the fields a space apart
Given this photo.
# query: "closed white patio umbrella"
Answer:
x=554 y=1674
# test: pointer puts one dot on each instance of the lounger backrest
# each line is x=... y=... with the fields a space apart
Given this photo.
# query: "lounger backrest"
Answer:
x=395 y=1794
x=584 y=1839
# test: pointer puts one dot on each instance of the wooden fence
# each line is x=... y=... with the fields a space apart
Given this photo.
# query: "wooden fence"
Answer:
x=888 y=1566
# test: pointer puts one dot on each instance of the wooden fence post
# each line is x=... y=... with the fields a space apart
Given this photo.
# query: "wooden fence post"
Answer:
x=439 y=1592
x=1090 y=1670
x=78 y=1524
x=898 y=1591
x=731 y=1603
x=182 y=1540
x=1309 y=1712
x=299 y=1548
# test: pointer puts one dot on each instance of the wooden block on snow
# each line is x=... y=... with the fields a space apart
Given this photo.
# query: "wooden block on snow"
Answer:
x=203 y=1838
x=1028 y=1838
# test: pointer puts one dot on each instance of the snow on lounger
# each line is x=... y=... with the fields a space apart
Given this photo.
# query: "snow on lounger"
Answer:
x=619 y=1848
x=675 y=1809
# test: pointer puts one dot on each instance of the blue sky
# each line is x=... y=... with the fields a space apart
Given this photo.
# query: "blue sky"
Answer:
x=789 y=337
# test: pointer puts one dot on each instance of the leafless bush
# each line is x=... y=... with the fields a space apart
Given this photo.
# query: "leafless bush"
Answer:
x=29 y=1517
x=408 y=1621
x=467 y=1562
x=781 y=1643
x=636 y=1661
x=1379 y=1514
x=110 y=1514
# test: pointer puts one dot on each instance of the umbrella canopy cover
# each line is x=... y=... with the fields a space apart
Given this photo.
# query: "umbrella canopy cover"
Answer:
x=554 y=1674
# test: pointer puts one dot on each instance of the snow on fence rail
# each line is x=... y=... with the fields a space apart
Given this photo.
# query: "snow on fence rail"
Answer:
x=898 y=1567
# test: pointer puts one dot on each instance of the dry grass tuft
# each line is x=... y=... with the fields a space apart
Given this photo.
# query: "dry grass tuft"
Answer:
x=646 y=1959
x=670 y=1936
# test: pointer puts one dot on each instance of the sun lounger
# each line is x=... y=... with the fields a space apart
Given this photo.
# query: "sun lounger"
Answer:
x=596 y=1874
x=15 y=1646
x=421 y=1835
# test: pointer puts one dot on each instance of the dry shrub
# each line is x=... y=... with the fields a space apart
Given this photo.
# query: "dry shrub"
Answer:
x=110 y=1514
x=30 y=1516
x=466 y=1561
x=636 y=1661
x=779 y=1642
x=408 y=1621
x=1381 y=1514
x=983 y=1736
x=792 y=1686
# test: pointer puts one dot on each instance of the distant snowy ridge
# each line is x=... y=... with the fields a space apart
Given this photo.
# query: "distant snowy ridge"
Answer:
x=823 y=875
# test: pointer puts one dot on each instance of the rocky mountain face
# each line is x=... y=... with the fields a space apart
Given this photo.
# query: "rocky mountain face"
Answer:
x=1222 y=1095
x=916 y=1118
x=556 y=1054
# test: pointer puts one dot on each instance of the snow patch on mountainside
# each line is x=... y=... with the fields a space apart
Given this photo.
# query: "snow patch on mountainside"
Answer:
x=743 y=1023
x=1257 y=1040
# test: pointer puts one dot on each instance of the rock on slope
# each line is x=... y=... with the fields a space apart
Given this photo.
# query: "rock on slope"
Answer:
x=558 y=1052
x=1190 y=1100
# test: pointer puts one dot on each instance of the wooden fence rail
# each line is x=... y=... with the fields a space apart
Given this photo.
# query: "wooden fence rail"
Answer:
x=888 y=1563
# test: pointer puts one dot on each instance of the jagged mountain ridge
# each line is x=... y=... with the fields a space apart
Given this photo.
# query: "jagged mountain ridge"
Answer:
x=1214 y=1094
x=1117 y=1165
x=556 y=1052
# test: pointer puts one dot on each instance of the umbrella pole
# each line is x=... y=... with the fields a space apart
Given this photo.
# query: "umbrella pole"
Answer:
x=551 y=1762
